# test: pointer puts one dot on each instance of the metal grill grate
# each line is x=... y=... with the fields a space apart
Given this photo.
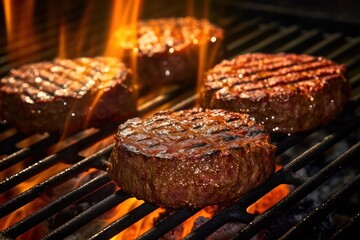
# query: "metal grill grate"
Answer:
x=243 y=34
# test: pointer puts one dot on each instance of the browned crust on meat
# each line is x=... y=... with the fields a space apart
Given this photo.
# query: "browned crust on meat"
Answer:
x=191 y=158
x=67 y=95
x=286 y=92
x=167 y=49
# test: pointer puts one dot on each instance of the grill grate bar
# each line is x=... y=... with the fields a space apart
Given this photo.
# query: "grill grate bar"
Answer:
x=185 y=103
x=290 y=141
x=42 y=26
x=124 y=222
x=57 y=179
x=286 y=175
x=48 y=50
x=298 y=194
x=28 y=151
x=236 y=46
x=167 y=224
x=323 y=44
x=304 y=38
x=321 y=146
x=272 y=33
x=350 y=230
x=345 y=48
x=355 y=81
x=12 y=140
x=352 y=62
x=285 y=33
x=15 y=48
x=324 y=209
x=54 y=207
x=53 y=159
x=88 y=215
x=244 y=26
x=28 y=172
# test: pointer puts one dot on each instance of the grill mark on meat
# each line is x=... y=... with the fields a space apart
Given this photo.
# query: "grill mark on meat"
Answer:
x=288 y=87
x=294 y=81
x=70 y=73
x=214 y=133
x=59 y=78
x=253 y=70
x=274 y=97
x=30 y=78
x=190 y=172
x=229 y=138
x=312 y=68
x=265 y=64
x=66 y=93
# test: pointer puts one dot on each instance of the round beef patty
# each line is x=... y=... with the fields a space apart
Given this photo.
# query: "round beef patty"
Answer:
x=285 y=92
x=166 y=50
x=67 y=94
x=191 y=158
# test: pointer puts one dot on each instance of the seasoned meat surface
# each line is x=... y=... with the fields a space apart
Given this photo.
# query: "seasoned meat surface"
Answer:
x=167 y=49
x=191 y=158
x=67 y=94
x=286 y=92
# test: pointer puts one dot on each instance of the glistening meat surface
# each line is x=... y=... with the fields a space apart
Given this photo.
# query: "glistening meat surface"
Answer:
x=67 y=94
x=191 y=158
x=285 y=92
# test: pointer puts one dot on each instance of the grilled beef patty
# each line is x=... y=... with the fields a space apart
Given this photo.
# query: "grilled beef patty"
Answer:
x=67 y=95
x=167 y=49
x=191 y=158
x=285 y=92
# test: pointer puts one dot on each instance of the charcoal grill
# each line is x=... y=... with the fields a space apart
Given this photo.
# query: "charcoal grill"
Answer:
x=332 y=150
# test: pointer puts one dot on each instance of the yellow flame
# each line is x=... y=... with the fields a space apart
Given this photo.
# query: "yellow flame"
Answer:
x=124 y=16
x=62 y=41
x=32 y=206
x=8 y=20
x=19 y=27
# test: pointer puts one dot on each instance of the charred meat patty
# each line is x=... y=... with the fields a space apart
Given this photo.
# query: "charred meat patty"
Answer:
x=286 y=92
x=191 y=158
x=67 y=94
x=167 y=49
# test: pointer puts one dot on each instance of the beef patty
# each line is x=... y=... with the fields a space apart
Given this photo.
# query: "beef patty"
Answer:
x=167 y=49
x=67 y=95
x=285 y=92
x=191 y=158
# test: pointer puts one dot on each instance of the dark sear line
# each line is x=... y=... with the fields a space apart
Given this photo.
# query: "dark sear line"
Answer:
x=312 y=88
x=249 y=70
x=291 y=82
x=301 y=69
x=196 y=167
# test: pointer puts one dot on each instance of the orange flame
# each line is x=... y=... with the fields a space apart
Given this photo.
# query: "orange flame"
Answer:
x=62 y=41
x=269 y=199
x=31 y=207
x=123 y=26
x=19 y=30
x=208 y=46
x=123 y=29
x=138 y=228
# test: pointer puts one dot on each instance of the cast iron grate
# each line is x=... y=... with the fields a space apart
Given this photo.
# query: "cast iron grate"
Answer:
x=243 y=34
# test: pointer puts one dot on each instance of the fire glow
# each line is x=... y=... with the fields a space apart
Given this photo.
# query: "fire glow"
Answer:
x=124 y=13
